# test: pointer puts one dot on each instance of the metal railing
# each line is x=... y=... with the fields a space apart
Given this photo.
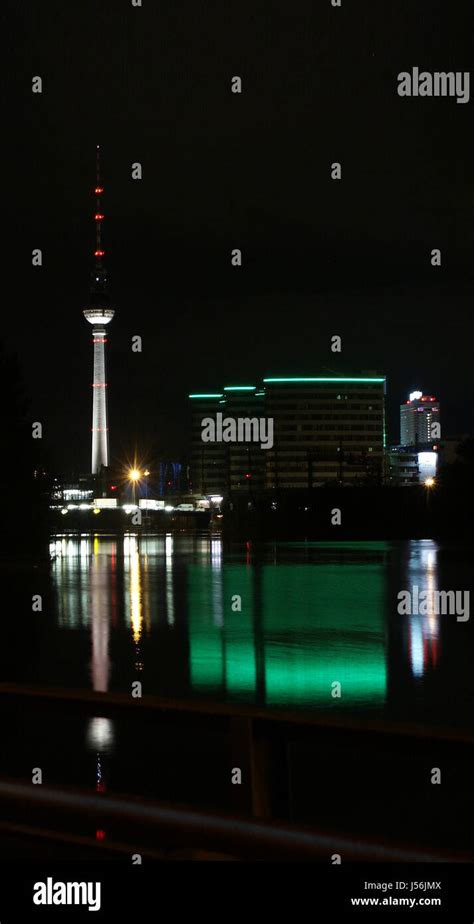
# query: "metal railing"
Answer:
x=183 y=827
x=252 y=732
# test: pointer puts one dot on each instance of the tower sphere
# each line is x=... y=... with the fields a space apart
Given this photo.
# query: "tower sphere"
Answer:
x=98 y=315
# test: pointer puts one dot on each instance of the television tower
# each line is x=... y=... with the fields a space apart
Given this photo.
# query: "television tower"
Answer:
x=99 y=314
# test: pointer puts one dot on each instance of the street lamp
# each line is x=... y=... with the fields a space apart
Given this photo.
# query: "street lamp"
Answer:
x=134 y=476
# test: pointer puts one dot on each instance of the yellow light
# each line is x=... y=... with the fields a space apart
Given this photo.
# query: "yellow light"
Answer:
x=134 y=474
x=96 y=510
x=135 y=595
x=146 y=473
x=429 y=482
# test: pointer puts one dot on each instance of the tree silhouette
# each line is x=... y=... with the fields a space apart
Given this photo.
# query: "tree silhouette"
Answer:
x=21 y=522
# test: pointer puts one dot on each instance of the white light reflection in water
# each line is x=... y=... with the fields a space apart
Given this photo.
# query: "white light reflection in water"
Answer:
x=423 y=637
x=100 y=734
x=216 y=552
x=217 y=582
x=169 y=579
x=146 y=595
x=71 y=603
x=99 y=600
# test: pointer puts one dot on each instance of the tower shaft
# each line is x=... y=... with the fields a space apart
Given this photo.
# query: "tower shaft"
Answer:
x=100 y=430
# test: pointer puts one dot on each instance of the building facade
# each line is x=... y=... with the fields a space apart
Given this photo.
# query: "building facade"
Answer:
x=419 y=420
x=401 y=468
x=326 y=430
x=207 y=469
x=221 y=466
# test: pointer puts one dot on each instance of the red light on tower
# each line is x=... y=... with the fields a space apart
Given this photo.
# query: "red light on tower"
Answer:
x=99 y=217
x=99 y=253
x=99 y=190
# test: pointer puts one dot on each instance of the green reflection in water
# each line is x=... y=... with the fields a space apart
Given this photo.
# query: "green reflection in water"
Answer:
x=221 y=640
x=324 y=624
x=301 y=628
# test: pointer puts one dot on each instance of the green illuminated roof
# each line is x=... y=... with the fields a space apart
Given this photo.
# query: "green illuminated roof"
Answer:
x=327 y=378
x=240 y=388
x=331 y=378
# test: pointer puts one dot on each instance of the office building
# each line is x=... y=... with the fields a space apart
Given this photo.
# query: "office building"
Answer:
x=326 y=430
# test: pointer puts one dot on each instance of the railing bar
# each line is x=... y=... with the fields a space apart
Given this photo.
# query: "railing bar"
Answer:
x=223 y=710
x=80 y=840
x=238 y=832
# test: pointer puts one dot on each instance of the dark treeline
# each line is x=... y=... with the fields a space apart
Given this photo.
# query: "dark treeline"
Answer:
x=23 y=516
x=445 y=511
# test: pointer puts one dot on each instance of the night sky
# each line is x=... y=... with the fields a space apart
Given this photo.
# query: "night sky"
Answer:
x=222 y=170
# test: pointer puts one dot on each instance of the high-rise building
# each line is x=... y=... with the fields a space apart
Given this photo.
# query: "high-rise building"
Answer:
x=208 y=474
x=99 y=314
x=326 y=430
x=419 y=420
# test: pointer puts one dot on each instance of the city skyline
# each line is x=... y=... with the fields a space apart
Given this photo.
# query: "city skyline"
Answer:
x=320 y=257
x=238 y=532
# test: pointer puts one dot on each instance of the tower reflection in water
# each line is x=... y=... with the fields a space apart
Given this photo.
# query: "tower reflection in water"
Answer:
x=103 y=602
x=85 y=575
